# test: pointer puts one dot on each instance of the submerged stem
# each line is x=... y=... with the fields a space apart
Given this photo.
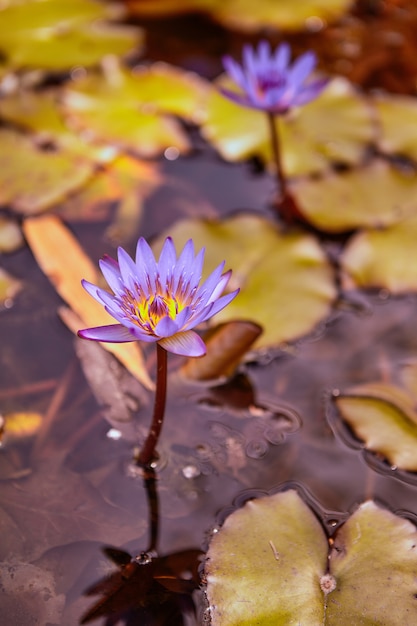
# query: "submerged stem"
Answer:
x=147 y=454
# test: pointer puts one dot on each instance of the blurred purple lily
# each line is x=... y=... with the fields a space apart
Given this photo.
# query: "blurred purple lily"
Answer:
x=268 y=82
x=159 y=301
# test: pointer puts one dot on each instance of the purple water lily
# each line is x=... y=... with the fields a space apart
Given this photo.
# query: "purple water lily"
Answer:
x=268 y=82
x=159 y=301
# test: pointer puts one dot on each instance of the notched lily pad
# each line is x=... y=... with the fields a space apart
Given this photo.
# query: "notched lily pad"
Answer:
x=61 y=34
x=248 y=16
x=135 y=110
x=371 y=196
x=384 y=258
x=286 y=282
x=32 y=179
x=269 y=564
x=384 y=417
x=397 y=116
x=337 y=126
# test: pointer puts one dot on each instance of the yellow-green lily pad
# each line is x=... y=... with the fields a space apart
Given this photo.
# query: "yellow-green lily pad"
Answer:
x=384 y=417
x=337 y=126
x=32 y=179
x=39 y=112
x=374 y=195
x=135 y=110
x=250 y=16
x=61 y=34
x=385 y=258
x=271 y=565
x=287 y=285
x=397 y=116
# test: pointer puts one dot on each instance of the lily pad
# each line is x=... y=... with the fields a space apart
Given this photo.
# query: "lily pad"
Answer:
x=39 y=112
x=397 y=116
x=286 y=282
x=269 y=565
x=384 y=258
x=135 y=110
x=32 y=179
x=371 y=196
x=248 y=16
x=61 y=34
x=337 y=126
x=384 y=417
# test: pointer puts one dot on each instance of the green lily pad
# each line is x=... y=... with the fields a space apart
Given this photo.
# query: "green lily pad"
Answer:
x=337 y=126
x=60 y=34
x=371 y=196
x=384 y=258
x=248 y=16
x=384 y=417
x=32 y=179
x=397 y=116
x=269 y=565
x=135 y=110
x=39 y=112
x=286 y=282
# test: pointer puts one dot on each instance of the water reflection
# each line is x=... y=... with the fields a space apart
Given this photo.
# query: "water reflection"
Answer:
x=147 y=589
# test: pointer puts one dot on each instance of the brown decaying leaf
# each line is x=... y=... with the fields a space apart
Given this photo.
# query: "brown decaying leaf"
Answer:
x=225 y=348
x=64 y=262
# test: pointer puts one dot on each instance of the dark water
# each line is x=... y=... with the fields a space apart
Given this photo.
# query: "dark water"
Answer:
x=73 y=489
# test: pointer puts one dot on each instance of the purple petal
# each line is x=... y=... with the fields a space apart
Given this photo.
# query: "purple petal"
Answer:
x=220 y=304
x=115 y=333
x=209 y=285
x=302 y=67
x=310 y=92
x=282 y=58
x=185 y=344
x=166 y=327
x=111 y=272
x=264 y=55
x=167 y=262
x=146 y=267
x=240 y=98
x=235 y=71
x=220 y=287
x=127 y=269
x=97 y=293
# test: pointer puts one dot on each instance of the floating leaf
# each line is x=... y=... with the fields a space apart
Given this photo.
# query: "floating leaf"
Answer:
x=52 y=244
x=337 y=126
x=134 y=110
x=397 y=116
x=126 y=181
x=286 y=282
x=384 y=258
x=40 y=113
x=61 y=34
x=268 y=564
x=384 y=417
x=248 y=16
x=374 y=195
x=32 y=179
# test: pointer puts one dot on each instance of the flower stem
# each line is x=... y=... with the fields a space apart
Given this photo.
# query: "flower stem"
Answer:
x=147 y=454
x=285 y=204
x=276 y=151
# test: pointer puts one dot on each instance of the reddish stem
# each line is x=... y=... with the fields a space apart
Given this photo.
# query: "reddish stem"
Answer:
x=147 y=454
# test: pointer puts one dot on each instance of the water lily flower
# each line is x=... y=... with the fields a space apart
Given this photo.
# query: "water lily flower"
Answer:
x=267 y=80
x=159 y=301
